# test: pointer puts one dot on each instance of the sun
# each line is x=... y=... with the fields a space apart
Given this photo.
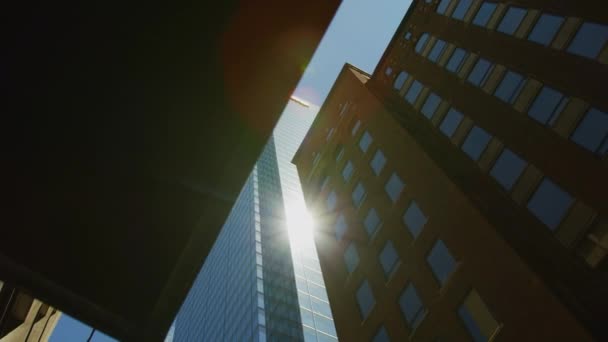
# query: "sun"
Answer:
x=300 y=224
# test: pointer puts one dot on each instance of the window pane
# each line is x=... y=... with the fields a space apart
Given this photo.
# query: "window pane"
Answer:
x=365 y=141
x=430 y=105
x=400 y=80
x=550 y=203
x=331 y=201
x=388 y=71
x=441 y=261
x=411 y=306
x=408 y=35
x=358 y=195
x=437 y=50
x=378 y=162
x=509 y=87
x=347 y=172
x=325 y=325
x=455 y=61
x=476 y=142
x=545 y=107
x=340 y=153
x=477 y=318
x=414 y=219
x=413 y=92
x=393 y=187
x=508 y=168
x=421 y=42
x=371 y=222
x=479 y=73
x=356 y=127
x=589 y=40
x=451 y=122
x=545 y=29
x=443 y=6
x=484 y=14
x=592 y=131
x=340 y=227
x=381 y=336
x=365 y=299
x=510 y=22
x=351 y=258
x=388 y=258
x=461 y=9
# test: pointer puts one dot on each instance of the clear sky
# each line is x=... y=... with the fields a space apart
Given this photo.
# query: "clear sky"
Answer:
x=358 y=34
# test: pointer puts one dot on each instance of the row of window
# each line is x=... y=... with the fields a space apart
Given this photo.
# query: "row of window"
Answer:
x=589 y=41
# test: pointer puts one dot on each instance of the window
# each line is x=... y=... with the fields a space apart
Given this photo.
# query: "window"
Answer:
x=484 y=14
x=365 y=141
x=592 y=132
x=351 y=257
x=437 y=50
x=480 y=72
x=443 y=6
x=511 y=21
x=550 y=203
x=408 y=35
x=393 y=187
x=358 y=195
x=371 y=222
x=411 y=306
x=381 y=336
x=340 y=227
x=340 y=153
x=400 y=80
x=451 y=122
x=378 y=162
x=430 y=105
x=331 y=200
x=421 y=42
x=388 y=71
x=455 y=61
x=347 y=172
x=477 y=318
x=589 y=40
x=461 y=9
x=547 y=106
x=365 y=299
x=510 y=87
x=324 y=183
x=414 y=219
x=356 y=127
x=388 y=258
x=545 y=29
x=507 y=169
x=413 y=92
x=476 y=142
x=441 y=261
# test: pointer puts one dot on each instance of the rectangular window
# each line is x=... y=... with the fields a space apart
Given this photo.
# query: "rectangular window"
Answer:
x=413 y=92
x=332 y=198
x=388 y=258
x=414 y=219
x=476 y=142
x=325 y=325
x=339 y=153
x=421 y=42
x=371 y=222
x=484 y=14
x=400 y=80
x=545 y=29
x=394 y=187
x=347 y=172
x=511 y=21
x=547 y=106
x=507 y=169
x=437 y=50
x=330 y=134
x=381 y=336
x=451 y=122
x=365 y=299
x=443 y=6
x=477 y=318
x=378 y=162
x=358 y=195
x=365 y=141
x=589 y=40
x=550 y=203
x=351 y=257
x=340 y=227
x=356 y=127
x=411 y=306
x=480 y=72
x=441 y=261
x=509 y=87
x=430 y=105
x=455 y=61
x=461 y=9
x=592 y=132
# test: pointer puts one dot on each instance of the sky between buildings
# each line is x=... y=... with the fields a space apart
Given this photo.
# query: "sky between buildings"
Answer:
x=358 y=34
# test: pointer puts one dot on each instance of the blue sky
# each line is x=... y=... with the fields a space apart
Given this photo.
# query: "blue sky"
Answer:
x=358 y=34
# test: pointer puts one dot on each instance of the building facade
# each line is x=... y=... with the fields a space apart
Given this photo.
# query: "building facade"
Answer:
x=461 y=188
x=262 y=280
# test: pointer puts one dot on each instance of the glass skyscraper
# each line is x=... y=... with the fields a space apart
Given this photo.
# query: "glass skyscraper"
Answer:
x=262 y=280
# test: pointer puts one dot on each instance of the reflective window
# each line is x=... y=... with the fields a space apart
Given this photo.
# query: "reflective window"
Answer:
x=480 y=72
x=511 y=21
x=388 y=258
x=414 y=219
x=358 y=195
x=507 y=169
x=589 y=41
x=365 y=299
x=430 y=105
x=351 y=257
x=461 y=9
x=477 y=318
x=592 y=132
x=509 y=87
x=437 y=50
x=545 y=29
x=324 y=183
x=411 y=306
x=347 y=172
x=413 y=92
x=550 y=203
x=388 y=71
x=371 y=222
x=381 y=336
x=378 y=162
x=340 y=153
x=455 y=61
x=365 y=141
x=476 y=142
x=451 y=122
x=340 y=227
x=441 y=261
x=400 y=80
x=408 y=35
x=421 y=42
x=443 y=6
x=484 y=14
x=547 y=106
x=325 y=325
x=332 y=199
x=393 y=187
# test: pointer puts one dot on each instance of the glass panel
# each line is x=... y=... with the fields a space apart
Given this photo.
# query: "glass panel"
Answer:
x=411 y=306
x=455 y=61
x=421 y=42
x=443 y=6
x=414 y=219
x=378 y=162
x=476 y=142
x=400 y=80
x=325 y=325
x=437 y=50
x=441 y=261
x=408 y=35
x=358 y=194
x=507 y=169
x=365 y=141
x=413 y=92
x=550 y=203
x=509 y=87
x=451 y=122
x=356 y=127
x=545 y=107
x=484 y=14
x=545 y=29
x=592 y=131
x=461 y=9
x=340 y=227
x=347 y=172
x=365 y=299
x=480 y=72
x=430 y=105
x=393 y=187
x=381 y=336
x=477 y=318
x=589 y=40
x=351 y=258
x=388 y=258
x=388 y=71
x=331 y=200
x=511 y=21
x=371 y=222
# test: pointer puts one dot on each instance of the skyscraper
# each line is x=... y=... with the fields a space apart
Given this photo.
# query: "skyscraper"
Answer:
x=262 y=278
x=461 y=187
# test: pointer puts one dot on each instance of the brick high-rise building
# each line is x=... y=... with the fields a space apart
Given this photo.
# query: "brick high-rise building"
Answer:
x=461 y=188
